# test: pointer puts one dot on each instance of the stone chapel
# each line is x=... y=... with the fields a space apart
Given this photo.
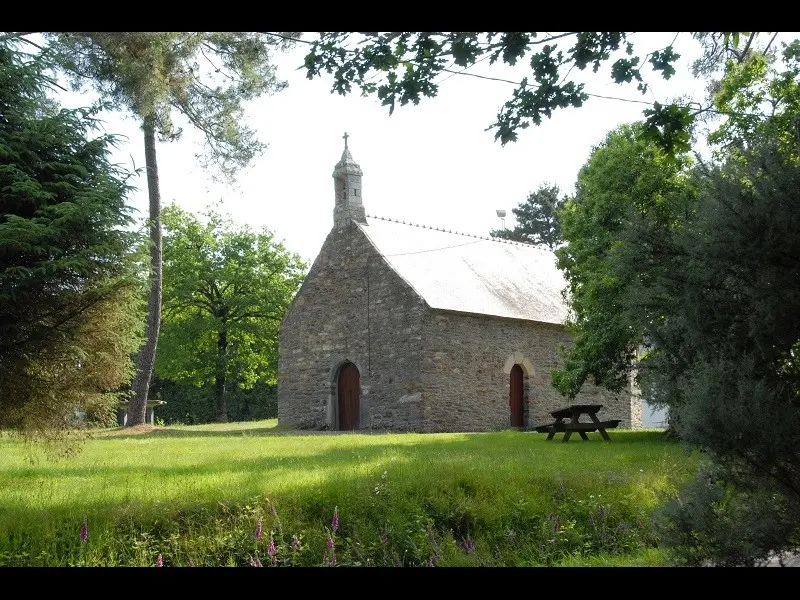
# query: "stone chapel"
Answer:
x=401 y=327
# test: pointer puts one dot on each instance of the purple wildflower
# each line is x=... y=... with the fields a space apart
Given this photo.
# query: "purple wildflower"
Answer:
x=468 y=546
x=384 y=539
x=330 y=543
x=159 y=561
x=602 y=511
x=335 y=519
x=257 y=534
x=271 y=549
x=272 y=509
x=295 y=543
x=556 y=525
x=84 y=533
x=255 y=562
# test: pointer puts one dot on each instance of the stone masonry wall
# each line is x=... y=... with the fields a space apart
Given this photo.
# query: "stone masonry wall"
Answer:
x=465 y=379
x=330 y=322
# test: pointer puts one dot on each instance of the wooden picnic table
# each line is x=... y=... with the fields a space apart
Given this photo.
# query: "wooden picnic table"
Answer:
x=574 y=412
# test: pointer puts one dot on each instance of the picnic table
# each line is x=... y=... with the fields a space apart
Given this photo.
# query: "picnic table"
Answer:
x=574 y=412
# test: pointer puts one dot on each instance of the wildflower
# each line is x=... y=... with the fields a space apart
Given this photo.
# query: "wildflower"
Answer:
x=255 y=562
x=191 y=562
x=468 y=545
x=271 y=549
x=159 y=561
x=272 y=509
x=295 y=543
x=591 y=521
x=602 y=511
x=330 y=543
x=335 y=519
x=383 y=476
x=84 y=533
x=433 y=560
x=384 y=539
x=257 y=534
x=556 y=525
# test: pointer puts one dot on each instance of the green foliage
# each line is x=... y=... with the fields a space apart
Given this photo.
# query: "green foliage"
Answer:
x=187 y=404
x=725 y=360
x=701 y=275
x=537 y=220
x=198 y=493
x=204 y=76
x=226 y=291
x=405 y=66
x=760 y=101
x=69 y=309
x=629 y=183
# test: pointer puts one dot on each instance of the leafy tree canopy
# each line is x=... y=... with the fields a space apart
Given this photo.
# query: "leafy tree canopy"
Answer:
x=226 y=290
x=628 y=183
x=204 y=76
x=537 y=219
x=404 y=66
x=68 y=286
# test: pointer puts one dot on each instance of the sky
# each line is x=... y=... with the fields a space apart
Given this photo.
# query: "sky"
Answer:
x=433 y=163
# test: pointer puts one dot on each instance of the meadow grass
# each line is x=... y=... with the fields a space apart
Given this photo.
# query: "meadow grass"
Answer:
x=195 y=495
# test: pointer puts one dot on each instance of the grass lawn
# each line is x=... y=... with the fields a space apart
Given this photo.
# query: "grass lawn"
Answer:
x=195 y=496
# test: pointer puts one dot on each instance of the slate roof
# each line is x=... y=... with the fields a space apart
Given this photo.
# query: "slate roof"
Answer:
x=454 y=271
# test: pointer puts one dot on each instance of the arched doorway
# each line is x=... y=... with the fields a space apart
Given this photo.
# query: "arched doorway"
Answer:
x=348 y=393
x=515 y=396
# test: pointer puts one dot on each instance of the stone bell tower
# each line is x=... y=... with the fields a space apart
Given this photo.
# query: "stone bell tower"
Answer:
x=347 y=184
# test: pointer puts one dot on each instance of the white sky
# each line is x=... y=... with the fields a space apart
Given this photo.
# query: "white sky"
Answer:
x=432 y=163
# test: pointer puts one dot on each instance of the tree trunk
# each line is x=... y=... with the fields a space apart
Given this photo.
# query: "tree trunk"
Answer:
x=219 y=380
x=147 y=354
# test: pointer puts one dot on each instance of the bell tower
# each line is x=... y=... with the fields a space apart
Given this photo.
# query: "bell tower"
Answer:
x=347 y=186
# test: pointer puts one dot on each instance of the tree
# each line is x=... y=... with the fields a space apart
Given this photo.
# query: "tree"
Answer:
x=725 y=360
x=226 y=291
x=407 y=65
x=689 y=279
x=69 y=310
x=537 y=219
x=203 y=76
x=629 y=184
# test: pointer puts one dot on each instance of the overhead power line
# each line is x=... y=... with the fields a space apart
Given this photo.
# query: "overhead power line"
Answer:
x=695 y=105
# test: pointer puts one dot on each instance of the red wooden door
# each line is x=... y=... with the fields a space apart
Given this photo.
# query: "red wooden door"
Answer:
x=349 y=397
x=515 y=399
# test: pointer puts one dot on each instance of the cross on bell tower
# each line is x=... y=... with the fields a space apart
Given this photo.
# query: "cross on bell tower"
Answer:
x=347 y=186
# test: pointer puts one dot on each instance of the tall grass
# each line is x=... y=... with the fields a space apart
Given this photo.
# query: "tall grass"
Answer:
x=195 y=495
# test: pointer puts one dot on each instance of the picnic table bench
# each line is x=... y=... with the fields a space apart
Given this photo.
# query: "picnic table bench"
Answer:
x=574 y=412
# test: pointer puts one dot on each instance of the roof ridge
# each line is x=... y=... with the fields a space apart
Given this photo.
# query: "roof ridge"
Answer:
x=472 y=235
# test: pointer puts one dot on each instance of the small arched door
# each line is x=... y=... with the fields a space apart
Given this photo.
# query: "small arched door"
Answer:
x=515 y=396
x=349 y=392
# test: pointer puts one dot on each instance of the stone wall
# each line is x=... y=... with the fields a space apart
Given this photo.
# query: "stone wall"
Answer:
x=330 y=322
x=420 y=369
x=465 y=379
